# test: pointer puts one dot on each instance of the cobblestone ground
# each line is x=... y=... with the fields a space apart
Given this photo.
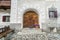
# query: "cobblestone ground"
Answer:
x=53 y=36
x=50 y=36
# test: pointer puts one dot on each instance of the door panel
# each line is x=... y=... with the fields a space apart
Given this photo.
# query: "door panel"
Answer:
x=30 y=19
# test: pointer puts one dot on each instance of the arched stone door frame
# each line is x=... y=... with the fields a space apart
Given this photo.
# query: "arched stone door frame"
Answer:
x=30 y=9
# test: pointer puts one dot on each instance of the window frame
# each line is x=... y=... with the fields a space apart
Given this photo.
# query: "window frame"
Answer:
x=4 y=18
x=55 y=14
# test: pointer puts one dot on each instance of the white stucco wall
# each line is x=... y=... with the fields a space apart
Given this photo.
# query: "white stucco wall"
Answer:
x=19 y=7
x=1 y=22
x=13 y=11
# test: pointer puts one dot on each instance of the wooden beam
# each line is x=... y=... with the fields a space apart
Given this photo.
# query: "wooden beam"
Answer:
x=5 y=7
x=5 y=33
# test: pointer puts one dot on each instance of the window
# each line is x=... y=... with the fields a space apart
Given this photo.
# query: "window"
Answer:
x=6 y=18
x=52 y=13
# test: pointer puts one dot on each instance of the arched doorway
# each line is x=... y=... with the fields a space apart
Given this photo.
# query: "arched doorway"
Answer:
x=30 y=20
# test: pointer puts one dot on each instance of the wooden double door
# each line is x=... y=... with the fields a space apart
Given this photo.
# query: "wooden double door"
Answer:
x=30 y=19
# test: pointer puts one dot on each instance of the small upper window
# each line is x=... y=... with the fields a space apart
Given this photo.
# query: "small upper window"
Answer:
x=6 y=19
x=52 y=12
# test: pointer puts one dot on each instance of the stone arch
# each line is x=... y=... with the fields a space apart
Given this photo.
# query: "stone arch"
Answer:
x=31 y=9
x=30 y=19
